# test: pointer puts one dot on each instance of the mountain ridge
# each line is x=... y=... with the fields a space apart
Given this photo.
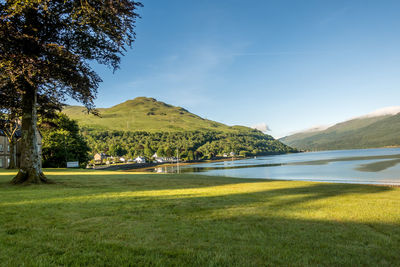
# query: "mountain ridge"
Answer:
x=145 y=124
x=145 y=114
x=379 y=130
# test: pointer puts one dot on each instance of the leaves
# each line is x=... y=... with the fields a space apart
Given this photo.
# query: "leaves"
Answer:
x=49 y=44
x=191 y=144
x=62 y=142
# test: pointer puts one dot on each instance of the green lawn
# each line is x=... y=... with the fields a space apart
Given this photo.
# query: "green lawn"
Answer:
x=119 y=219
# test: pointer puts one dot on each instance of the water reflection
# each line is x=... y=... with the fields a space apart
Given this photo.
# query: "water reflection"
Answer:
x=380 y=166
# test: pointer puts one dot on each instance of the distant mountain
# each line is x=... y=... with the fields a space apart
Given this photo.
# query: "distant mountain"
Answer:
x=144 y=114
x=380 y=128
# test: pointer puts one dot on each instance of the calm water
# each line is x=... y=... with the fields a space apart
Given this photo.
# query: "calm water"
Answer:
x=366 y=166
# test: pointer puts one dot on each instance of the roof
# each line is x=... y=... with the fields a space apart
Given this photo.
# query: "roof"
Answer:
x=18 y=133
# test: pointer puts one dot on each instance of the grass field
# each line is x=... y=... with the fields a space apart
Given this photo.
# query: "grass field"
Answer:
x=104 y=218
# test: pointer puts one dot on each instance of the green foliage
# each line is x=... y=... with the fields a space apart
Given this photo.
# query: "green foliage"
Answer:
x=190 y=155
x=45 y=45
x=160 y=151
x=191 y=145
x=164 y=129
x=148 y=152
x=117 y=150
x=47 y=48
x=357 y=133
x=62 y=142
x=244 y=153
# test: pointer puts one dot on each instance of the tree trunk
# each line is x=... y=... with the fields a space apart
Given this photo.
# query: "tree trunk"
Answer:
x=13 y=164
x=30 y=171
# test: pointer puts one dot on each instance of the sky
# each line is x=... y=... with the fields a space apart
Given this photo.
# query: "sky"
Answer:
x=279 y=64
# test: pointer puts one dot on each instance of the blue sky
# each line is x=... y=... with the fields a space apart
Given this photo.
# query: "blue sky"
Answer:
x=289 y=64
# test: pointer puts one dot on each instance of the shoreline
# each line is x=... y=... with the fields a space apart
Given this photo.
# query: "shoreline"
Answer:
x=169 y=167
x=140 y=167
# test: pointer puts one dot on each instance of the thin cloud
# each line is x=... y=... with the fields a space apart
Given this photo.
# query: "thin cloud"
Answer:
x=263 y=127
x=336 y=15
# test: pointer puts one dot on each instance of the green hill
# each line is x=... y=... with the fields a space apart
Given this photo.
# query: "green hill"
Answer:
x=363 y=132
x=143 y=126
x=144 y=114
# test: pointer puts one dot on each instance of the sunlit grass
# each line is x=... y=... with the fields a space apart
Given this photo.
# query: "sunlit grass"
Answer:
x=58 y=172
x=117 y=218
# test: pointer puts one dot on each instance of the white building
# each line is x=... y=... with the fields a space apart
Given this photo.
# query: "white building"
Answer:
x=140 y=160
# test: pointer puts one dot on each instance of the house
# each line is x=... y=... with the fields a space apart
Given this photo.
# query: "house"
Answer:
x=4 y=151
x=5 y=148
x=159 y=160
x=99 y=157
x=140 y=160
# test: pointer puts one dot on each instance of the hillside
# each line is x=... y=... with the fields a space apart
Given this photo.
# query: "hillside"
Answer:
x=363 y=132
x=144 y=114
x=143 y=126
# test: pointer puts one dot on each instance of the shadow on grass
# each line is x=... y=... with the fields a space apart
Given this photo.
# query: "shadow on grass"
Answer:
x=195 y=187
x=219 y=222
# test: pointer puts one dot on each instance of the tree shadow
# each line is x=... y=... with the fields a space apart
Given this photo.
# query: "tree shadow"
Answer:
x=205 y=224
x=194 y=188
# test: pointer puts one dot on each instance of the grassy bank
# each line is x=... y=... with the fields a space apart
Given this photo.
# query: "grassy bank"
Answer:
x=116 y=218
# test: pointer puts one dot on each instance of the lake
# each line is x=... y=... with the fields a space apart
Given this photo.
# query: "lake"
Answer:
x=363 y=166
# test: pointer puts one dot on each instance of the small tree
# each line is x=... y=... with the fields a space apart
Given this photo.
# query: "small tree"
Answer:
x=169 y=152
x=190 y=155
x=45 y=47
x=148 y=152
x=160 y=152
x=244 y=153
x=117 y=151
x=62 y=142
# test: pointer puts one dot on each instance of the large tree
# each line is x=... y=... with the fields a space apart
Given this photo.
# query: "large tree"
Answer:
x=10 y=115
x=46 y=47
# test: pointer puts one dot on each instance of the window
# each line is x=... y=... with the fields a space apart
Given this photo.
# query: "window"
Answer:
x=8 y=148
x=1 y=163
x=1 y=147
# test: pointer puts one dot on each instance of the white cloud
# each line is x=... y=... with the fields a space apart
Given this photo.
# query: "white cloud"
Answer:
x=316 y=128
x=377 y=113
x=263 y=127
x=383 y=112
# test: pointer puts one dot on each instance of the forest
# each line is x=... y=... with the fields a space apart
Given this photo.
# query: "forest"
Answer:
x=191 y=145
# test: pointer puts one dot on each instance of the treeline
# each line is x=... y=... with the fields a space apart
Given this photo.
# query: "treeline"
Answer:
x=191 y=145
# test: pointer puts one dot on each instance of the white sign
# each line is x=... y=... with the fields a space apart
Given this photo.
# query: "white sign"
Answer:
x=73 y=164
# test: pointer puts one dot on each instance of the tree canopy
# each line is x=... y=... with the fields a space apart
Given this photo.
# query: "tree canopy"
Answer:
x=47 y=44
x=190 y=144
x=46 y=47
x=62 y=142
